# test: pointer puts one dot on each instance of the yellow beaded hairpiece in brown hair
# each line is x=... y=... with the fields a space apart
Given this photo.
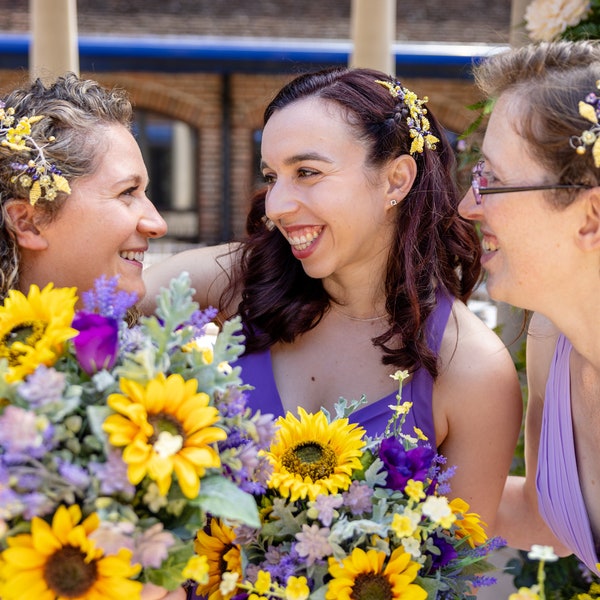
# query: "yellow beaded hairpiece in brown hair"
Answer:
x=417 y=122
x=589 y=109
x=42 y=179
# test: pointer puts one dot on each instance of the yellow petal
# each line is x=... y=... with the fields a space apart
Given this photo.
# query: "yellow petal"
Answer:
x=62 y=185
x=587 y=111
x=596 y=152
x=35 y=193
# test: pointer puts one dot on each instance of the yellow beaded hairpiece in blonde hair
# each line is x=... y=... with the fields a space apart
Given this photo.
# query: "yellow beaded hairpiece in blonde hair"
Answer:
x=589 y=109
x=417 y=122
x=42 y=179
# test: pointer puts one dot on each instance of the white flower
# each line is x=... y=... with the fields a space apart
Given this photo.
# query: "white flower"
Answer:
x=546 y=20
x=438 y=510
x=228 y=583
x=545 y=553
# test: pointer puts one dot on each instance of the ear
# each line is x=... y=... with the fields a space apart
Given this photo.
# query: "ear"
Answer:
x=22 y=221
x=401 y=175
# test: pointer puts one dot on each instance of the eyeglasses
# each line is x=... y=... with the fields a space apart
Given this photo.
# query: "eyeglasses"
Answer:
x=479 y=183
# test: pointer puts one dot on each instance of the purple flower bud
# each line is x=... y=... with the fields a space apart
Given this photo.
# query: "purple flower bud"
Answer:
x=96 y=344
x=402 y=465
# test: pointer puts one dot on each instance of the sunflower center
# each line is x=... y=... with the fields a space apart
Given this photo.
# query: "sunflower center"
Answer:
x=164 y=423
x=310 y=459
x=368 y=586
x=28 y=333
x=68 y=574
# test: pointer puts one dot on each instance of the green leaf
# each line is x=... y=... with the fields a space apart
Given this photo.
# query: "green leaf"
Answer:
x=222 y=498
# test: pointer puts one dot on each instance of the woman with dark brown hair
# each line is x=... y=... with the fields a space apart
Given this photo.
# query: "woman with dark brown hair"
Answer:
x=357 y=265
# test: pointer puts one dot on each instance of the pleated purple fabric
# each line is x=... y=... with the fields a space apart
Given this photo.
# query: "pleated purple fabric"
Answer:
x=560 y=498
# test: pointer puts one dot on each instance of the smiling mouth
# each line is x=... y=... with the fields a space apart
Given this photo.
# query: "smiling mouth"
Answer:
x=302 y=239
x=489 y=246
x=130 y=255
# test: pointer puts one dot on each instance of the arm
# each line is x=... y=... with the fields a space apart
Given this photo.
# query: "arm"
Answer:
x=210 y=269
x=478 y=412
x=519 y=520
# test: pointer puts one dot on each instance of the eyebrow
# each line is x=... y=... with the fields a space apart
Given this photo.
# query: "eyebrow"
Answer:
x=296 y=158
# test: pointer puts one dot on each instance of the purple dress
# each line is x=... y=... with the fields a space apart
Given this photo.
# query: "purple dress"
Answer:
x=257 y=371
x=560 y=498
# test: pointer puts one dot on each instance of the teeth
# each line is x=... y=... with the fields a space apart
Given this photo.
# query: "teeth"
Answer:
x=489 y=246
x=301 y=241
x=138 y=256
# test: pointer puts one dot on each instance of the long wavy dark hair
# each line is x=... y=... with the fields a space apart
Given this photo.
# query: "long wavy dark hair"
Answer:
x=433 y=249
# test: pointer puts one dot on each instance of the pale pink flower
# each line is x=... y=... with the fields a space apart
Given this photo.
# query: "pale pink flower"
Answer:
x=546 y=20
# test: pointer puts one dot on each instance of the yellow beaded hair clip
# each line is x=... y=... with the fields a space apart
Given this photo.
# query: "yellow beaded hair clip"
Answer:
x=589 y=109
x=42 y=179
x=417 y=122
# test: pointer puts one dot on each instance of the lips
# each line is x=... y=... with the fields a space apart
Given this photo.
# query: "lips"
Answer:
x=300 y=239
x=136 y=255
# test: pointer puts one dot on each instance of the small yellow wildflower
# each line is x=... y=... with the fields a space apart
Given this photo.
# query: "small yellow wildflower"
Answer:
x=414 y=490
x=297 y=589
x=263 y=582
x=197 y=569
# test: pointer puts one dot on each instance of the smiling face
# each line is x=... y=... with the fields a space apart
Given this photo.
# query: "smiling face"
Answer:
x=529 y=251
x=103 y=227
x=330 y=206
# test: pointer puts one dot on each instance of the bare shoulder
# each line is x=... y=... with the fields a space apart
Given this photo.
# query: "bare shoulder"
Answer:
x=477 y=372
x=469 y=344
x=210 y=269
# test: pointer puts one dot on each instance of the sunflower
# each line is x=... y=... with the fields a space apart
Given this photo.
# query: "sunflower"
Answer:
x=223 y=557
x=165 y=427
x=311 y=456
x=367 y=576
x=60 y=561
x=34 y=328
x=469 y=524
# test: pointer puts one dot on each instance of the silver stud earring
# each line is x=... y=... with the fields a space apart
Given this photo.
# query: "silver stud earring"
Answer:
x=393 y=202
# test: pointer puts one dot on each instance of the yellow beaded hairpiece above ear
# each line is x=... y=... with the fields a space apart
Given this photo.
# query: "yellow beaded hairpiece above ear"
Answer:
x=42 y=179
x=417 y=122
x=589 y=109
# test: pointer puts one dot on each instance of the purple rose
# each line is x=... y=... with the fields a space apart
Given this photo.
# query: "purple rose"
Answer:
x=402 y=465
x=445 y=552
x=96 y=344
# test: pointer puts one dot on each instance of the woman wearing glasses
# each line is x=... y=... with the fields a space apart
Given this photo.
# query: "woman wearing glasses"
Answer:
x=356 y=265
x=536 y=197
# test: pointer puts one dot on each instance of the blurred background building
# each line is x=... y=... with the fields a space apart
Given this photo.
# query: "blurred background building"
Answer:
x=200 y=73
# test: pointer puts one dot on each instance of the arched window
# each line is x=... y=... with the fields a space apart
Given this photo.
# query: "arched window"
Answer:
x=170 y=148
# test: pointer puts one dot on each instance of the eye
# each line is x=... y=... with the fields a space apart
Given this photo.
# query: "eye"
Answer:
x=269 y=178
x=304 y=172
x=130 y=191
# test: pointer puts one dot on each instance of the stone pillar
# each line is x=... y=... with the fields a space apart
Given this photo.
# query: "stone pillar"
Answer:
x=53 y=50
x=518 y=35
x=373 y=24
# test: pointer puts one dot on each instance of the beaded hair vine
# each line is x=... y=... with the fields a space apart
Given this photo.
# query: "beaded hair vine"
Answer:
x=414 y=112
x=42 y=179
x=589 y=109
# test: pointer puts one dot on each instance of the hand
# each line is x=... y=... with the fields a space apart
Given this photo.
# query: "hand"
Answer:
x=154 y=592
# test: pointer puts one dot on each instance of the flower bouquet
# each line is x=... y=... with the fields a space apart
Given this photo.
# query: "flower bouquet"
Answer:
x=347 y=517
x=116 y=441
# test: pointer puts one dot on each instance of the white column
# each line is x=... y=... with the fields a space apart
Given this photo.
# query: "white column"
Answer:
x=53 y=50
x=518 y=35
x=373 y=24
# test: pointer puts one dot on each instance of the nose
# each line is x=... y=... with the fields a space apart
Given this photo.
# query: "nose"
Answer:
x=280 y=200
x=468 y=208
x=151 y=224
